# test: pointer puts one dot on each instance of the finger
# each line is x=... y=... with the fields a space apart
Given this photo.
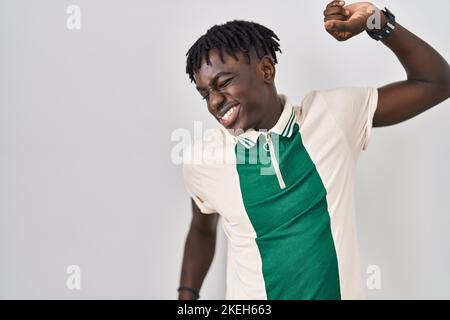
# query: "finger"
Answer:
x=331 y=13
x=329 y=26
x=340 y=36
x=336 y=3
x=339 y=17
x=334 y=10
x=342 y=26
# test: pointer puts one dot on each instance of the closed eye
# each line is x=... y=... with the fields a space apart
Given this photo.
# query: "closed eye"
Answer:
x=221 y=86
x=225 y=83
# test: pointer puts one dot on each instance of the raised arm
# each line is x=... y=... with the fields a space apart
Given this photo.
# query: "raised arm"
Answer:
x=428 y=73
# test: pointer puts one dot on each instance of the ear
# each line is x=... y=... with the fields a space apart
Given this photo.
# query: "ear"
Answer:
x=267 y=69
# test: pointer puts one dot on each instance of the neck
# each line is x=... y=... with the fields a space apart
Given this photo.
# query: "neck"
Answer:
x=273 y=111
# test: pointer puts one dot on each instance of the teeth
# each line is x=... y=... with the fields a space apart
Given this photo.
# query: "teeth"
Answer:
x=227 y=115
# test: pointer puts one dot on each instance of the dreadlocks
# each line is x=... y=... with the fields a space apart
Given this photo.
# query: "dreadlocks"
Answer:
x=232 y=37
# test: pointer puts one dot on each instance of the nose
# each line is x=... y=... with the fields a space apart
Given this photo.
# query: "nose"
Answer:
x=216 y=100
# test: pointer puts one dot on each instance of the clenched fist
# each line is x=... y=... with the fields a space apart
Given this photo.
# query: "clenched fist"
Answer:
x=344 y=22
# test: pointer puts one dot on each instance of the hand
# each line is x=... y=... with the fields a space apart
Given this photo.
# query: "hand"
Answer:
x=344 y=22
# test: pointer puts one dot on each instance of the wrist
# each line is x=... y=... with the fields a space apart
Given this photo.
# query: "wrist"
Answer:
x=377 y=19
x=187 y=293
x=381 y=24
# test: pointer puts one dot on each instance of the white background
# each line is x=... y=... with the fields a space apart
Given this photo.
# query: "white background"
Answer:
x=86 y=117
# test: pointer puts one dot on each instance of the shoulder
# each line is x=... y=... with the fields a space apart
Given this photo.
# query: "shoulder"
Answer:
x=339 y=96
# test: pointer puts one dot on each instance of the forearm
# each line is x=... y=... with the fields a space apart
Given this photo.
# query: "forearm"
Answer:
x=427 y=83
x=198 y=255
x=428 y=74
x=420 y=60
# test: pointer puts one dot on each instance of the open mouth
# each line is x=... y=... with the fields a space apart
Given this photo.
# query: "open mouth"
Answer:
x=230 y=116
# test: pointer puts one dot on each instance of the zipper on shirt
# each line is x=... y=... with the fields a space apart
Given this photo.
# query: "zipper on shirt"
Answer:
x=273 y=158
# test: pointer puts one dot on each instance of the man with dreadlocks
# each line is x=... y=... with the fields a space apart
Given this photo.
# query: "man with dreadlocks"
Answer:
x=286 y=193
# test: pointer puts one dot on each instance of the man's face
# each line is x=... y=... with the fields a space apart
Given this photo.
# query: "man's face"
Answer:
x=235 y=91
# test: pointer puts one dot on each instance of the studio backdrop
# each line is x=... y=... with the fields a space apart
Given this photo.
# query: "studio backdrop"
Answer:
x=92 y=203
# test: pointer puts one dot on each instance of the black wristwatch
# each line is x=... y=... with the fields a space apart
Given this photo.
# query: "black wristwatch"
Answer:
x=387 y=30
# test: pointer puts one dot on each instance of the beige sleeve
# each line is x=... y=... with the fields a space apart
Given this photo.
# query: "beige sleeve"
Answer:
x=353 y=108
x=192 y=179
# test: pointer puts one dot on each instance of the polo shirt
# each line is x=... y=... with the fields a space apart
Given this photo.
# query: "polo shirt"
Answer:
x=286 y=197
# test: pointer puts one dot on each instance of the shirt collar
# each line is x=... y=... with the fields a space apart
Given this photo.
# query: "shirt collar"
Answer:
x=283 y=127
